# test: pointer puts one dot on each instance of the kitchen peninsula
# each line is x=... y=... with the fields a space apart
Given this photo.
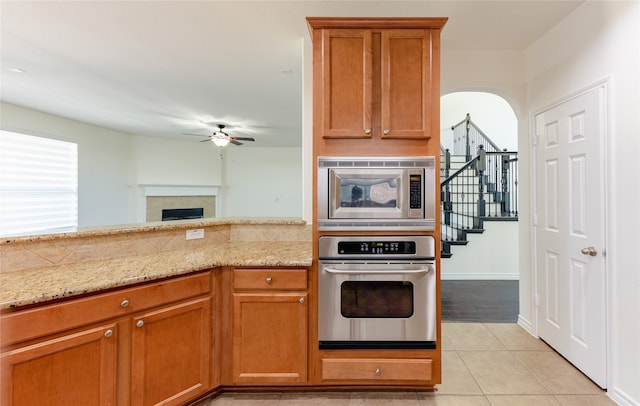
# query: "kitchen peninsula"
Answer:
x=117 y=308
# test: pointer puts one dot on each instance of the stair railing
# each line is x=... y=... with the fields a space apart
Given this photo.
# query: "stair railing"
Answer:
x=485 y=187
x=467 y=137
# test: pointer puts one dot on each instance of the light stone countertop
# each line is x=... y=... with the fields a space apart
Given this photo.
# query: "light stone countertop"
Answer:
x=42 y=284
x=149 y=227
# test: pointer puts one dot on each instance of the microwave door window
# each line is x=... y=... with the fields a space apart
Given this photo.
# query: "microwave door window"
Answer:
x=370 y=193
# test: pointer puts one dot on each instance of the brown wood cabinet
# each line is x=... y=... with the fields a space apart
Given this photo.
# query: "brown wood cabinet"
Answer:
x=171 y=353
x=269 y=326
x=143 y=345
x=375 y=79
x=378 y=370
x=376 y=92
x=78 y=368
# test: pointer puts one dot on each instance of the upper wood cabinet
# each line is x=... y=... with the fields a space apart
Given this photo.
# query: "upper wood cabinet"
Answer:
x=346 y=84
x=376 y=78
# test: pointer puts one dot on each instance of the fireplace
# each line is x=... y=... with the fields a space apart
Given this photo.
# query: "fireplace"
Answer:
x=176 y=202
x=182 y=214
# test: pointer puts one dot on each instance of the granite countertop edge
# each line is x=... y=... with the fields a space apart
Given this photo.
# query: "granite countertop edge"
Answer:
x=149 y=227
x=45 y=284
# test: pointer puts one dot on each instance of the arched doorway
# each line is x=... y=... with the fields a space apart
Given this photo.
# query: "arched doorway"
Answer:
x=490 y=112
x=483 y=252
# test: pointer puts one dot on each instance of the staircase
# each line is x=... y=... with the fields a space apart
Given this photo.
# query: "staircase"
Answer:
x=475 y=189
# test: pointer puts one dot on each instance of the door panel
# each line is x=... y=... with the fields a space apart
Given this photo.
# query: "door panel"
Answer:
x=347 y=64
x=570 y=211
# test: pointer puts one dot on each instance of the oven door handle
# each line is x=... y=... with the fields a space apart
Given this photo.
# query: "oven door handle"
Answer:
x=369 y=272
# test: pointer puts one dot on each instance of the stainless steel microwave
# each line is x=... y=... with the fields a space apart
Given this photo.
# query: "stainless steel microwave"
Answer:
x=368 y=193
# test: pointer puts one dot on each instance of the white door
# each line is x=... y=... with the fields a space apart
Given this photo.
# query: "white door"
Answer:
x=570 y=230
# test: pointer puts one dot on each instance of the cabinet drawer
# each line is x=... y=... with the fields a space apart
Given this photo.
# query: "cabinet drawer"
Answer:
x=270 y=279
x=357 y=369
x=49 y=319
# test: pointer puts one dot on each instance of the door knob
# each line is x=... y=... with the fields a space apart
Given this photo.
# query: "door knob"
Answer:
x=589 y=251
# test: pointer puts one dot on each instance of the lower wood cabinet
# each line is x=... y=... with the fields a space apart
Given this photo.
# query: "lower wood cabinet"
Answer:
x=269 y=326
x=73 y=369
x=171 y=353
x=145 y=345
x=389 y=371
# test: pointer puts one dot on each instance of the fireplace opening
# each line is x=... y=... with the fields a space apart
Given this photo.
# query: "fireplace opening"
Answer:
x=182 y=214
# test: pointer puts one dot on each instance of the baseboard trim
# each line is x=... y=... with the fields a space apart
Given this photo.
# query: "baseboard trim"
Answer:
x=479 y=277
x=621 y=397
x=525 y=324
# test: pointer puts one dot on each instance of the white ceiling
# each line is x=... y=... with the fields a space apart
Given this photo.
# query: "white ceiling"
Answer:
x=162 y=68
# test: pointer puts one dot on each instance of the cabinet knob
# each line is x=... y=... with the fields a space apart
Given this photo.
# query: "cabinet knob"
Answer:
x=386 y=132
x=140 y=323
x=124 y=303
x=108 y=333
x=301 y=300
x=269 y=280
x=378 y=372
x=367 y=130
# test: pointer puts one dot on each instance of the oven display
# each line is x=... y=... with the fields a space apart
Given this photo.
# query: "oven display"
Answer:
x=376 y=247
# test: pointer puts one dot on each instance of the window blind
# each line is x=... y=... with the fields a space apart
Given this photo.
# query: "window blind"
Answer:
x=38 y=184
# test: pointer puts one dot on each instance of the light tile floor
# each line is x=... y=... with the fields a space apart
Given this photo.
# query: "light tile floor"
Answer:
x=483 y=364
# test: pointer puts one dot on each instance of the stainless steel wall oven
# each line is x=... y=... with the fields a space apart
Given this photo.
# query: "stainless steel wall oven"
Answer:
x=366 y=193
x=376 y=292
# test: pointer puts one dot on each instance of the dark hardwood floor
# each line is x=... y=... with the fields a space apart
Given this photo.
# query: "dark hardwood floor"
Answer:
x=479 y=301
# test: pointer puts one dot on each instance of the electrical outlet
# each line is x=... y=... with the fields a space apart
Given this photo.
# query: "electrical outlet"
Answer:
x=195 y=234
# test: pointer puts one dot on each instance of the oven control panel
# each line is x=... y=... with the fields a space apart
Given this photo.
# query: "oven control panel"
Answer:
x=376 y=247
x=398 y=247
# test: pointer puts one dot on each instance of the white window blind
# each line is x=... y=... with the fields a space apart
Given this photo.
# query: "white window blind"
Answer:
x=38 y=184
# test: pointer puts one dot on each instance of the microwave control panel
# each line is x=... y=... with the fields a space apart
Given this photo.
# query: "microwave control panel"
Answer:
x=415 y=191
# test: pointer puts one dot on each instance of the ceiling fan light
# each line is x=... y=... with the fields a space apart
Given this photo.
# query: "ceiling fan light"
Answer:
x=221 y=142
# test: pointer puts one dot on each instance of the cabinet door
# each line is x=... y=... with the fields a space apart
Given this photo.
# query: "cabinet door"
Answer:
x=347 y=83
x=170 y=350
x=405 y=83
x=74 y=369
x=269 y=338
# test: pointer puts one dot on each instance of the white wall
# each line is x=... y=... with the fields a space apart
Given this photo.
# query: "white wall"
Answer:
x=255 y=182
x=492 y=255
x=262 y=182
x=598 y=41
x=175 y=162
x=104 y=162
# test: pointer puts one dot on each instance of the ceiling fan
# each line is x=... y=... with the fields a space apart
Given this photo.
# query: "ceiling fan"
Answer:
x=221 y=138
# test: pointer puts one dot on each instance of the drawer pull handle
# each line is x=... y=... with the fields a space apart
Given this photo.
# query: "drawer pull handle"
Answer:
x=301 y=300
x=108 y=333
x=269 y=280
x=367 y=130
x=140 y=323
x=124 y=303
x=378 y=372
x=386 y=132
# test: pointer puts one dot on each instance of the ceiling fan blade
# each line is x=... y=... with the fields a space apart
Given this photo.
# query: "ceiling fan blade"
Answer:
x=234 y=142
x=208 y=140
x=197 y=135
x=243 y=138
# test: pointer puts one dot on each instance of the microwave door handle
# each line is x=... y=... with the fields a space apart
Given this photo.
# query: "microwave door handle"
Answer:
x=369 y=272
